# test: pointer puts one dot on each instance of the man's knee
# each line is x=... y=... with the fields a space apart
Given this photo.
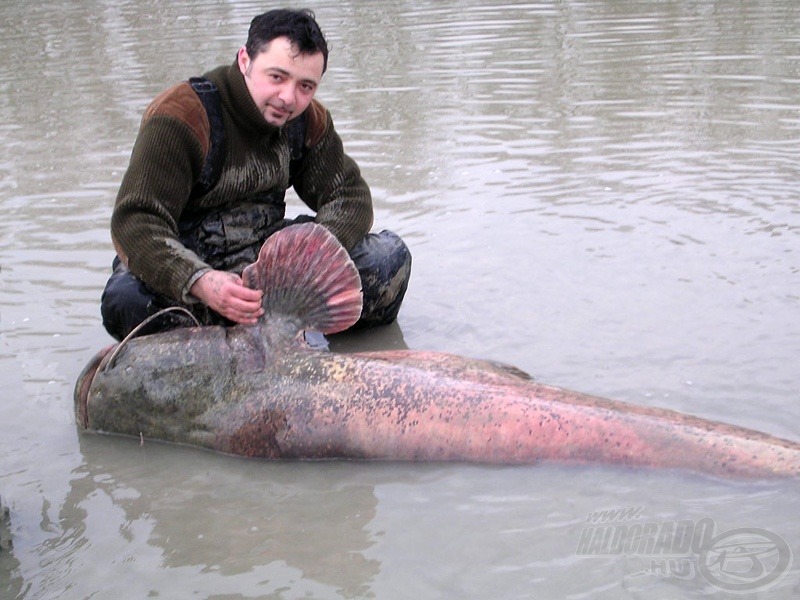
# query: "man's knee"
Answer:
x=126 y=302
x=384 y=264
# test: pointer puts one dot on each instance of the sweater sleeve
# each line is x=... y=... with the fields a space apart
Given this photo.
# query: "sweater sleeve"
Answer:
x=166 y=161
x=330 y=183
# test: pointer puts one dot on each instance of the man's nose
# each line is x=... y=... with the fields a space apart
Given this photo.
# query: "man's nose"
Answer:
x=287 y=93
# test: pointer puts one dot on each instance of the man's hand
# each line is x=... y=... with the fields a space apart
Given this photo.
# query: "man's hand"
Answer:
x=226 y=293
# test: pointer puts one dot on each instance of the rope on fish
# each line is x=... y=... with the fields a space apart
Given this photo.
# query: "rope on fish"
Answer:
x=141 y=325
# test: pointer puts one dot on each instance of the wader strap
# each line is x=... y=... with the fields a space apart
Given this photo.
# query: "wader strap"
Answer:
x=296 y=135
x=212 y=167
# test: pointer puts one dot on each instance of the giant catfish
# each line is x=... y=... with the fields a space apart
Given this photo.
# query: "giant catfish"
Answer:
x=262 y=391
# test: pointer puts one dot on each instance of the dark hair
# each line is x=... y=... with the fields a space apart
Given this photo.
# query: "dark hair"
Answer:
x=299 y=26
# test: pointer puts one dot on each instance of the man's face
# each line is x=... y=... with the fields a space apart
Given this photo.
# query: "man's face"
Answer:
x=281 y=82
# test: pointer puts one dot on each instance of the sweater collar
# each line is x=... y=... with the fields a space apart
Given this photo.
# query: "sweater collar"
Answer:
x=237 y=100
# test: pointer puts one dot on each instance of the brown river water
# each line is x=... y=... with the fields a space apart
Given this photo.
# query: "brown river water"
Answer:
x=601 y=193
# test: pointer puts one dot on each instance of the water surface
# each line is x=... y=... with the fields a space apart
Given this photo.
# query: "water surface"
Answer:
x=601 y=193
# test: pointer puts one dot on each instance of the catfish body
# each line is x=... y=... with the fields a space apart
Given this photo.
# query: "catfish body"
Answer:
x=260 y=391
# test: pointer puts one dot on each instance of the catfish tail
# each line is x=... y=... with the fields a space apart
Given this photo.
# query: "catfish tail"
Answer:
x=307 y=275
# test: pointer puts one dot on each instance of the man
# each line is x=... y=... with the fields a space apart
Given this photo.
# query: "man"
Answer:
x=206 y=182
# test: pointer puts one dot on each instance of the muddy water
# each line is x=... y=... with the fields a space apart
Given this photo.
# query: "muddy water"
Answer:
x=602 y=193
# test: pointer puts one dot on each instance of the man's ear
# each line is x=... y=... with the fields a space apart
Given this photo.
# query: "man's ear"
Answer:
x=243 y=58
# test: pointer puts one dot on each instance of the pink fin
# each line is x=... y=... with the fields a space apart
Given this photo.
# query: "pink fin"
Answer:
x=307 y=275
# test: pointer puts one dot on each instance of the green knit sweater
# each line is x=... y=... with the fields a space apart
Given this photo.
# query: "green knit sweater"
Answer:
x=167 y=159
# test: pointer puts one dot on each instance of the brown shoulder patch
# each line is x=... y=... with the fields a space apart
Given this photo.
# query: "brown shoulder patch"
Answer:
x=182 y=103
x=317 y=123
